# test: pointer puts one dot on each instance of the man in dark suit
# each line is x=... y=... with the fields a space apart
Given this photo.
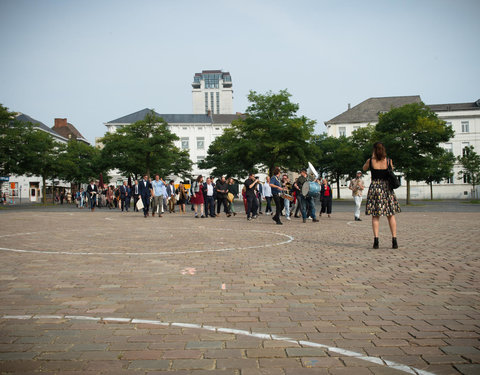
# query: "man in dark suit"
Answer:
x=135 y=194
x=124 y=195
x=144 y=190
x=92 y=192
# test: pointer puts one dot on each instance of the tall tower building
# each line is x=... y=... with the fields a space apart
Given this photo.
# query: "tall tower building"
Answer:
x=212 y=92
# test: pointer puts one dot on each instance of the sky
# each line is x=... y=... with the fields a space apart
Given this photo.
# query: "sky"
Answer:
x=94 y=61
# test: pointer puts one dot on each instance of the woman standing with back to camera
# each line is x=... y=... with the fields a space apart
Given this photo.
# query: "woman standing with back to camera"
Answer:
x=381 y=200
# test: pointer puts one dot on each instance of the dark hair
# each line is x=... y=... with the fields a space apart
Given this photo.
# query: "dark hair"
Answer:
x=276 y=171
x=199 y=177
x=379 y=151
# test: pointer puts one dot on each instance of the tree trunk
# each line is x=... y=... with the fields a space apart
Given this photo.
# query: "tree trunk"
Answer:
x=408 y=191
x=431 y=191
x=338 y=186
x=44 y=190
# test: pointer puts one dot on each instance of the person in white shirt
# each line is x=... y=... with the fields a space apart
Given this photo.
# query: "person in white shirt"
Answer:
x=210 y=200
x=267 y=193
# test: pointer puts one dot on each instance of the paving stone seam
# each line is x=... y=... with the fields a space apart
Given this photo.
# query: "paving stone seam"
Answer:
x=348 y=353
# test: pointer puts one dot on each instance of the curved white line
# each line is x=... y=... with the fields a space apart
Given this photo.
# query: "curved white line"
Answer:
x=289 y=239
x=333 y=349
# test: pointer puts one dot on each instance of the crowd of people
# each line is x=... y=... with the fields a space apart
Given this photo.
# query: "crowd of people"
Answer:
x=209 y=197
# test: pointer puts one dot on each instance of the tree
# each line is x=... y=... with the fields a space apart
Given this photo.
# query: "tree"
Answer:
x=336 y=157
x=79 y=163
x=411 y=133
x=269 y=135
x=144 y=147
x=40 y=157
x=438 y=167
x=12 y=134
x=470 y=162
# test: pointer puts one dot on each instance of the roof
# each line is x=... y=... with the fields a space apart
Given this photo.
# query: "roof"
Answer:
x=368 y=110
x=455 y=107
x=69 y=129
x=39 y=125
x=175 y=118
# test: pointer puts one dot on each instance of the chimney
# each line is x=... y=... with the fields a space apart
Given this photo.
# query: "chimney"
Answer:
x=60 y=122
x=209 y=113
x=348 y=106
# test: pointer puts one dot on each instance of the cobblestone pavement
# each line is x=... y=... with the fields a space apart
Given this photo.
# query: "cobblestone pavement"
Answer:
x=114 y=293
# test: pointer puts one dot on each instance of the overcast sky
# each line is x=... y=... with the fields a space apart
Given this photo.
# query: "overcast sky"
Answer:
x=95 y=61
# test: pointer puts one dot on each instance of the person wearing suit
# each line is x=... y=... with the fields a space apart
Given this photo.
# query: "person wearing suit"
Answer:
x=135 y=194
x=92 y=192
x=124 y=195
x=144 y=190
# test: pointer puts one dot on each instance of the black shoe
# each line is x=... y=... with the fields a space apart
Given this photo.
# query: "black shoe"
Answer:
x=316 y=220
x=305 y=220
x=203 y=216
x=375 y=243
x=394 y=243
x=279 y=222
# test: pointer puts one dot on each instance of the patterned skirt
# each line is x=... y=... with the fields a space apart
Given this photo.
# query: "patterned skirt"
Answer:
x=381 y=201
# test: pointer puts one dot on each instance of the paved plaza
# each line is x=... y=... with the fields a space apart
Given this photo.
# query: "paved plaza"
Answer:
x=114 y=293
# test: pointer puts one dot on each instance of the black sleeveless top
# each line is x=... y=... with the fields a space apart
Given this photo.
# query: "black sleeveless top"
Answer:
x=379 y=174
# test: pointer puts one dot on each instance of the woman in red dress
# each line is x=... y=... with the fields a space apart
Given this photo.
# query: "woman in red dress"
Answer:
x=197 y=196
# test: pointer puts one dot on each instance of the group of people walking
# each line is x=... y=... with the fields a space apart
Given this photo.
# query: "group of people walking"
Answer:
x=208 y=197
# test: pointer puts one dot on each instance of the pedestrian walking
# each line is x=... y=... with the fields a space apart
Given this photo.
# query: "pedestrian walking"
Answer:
x=356 y=186
x=277 y=188
x=197 y=196
x=381 y=200
x=326 y=198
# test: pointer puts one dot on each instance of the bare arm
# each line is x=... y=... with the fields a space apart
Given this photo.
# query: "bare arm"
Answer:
x=366 y=165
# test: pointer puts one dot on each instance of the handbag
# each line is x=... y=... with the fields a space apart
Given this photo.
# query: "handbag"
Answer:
x=393 y=179
x=139 y=204
x=230 y=197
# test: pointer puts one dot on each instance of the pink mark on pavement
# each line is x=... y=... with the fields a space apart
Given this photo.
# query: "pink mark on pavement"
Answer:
x=189 y=271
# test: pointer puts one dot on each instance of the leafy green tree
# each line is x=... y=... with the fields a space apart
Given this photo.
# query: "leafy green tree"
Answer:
x=470 y=162
x=269 y=135
x=411 y=133
x=336 y=157
x=147 y=146
x=79 y=163
x=438 y=167
x=12 y=135
x=41 y=153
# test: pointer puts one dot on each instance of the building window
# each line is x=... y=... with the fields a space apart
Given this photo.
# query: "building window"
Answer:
x=464 y=148
x=200 y=127
x=217 y=128
x=185 y=128
x=200 y=143
x=200 y=158
x=211 y=103
x=342 y=131
x=212 y=80
x=185 y=145
x=466 y=178
x=465 y=127
x=206 y=102
x=356 y=128
x=450 y=180
x=448 y=147
x=218 y=102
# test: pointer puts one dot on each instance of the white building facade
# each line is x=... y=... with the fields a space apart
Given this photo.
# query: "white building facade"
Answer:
x=212 y=92
x=196 y=132
x=464 y=118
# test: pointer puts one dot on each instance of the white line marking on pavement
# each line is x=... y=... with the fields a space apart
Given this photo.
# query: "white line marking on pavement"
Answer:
x=289 y=239
x=263 y=336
